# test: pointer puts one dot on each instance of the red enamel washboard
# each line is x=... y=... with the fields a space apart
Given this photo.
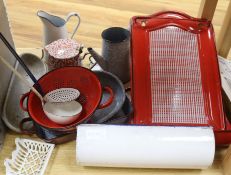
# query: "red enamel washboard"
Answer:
x=175 y=73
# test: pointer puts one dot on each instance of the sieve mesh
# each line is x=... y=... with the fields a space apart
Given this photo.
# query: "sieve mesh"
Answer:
x=175 y=77
x=62 y=95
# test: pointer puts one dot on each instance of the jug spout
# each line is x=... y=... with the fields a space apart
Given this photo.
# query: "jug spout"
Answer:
x=99 y=59
x=54 y=27
x=49 y=19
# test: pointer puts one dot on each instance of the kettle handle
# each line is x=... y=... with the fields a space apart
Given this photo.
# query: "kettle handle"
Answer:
x=77 y=25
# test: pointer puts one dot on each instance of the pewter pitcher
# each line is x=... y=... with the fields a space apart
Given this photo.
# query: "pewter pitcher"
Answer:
x=115 y=52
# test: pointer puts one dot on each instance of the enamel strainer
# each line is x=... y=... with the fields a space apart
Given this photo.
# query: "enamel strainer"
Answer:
x=175 y=74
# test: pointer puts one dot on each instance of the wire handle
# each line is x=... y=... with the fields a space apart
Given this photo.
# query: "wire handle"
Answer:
x=77 y=25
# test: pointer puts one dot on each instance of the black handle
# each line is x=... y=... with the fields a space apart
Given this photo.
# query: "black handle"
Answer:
x=38 y=87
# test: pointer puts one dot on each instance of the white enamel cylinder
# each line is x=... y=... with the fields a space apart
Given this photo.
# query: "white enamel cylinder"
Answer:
x=145 y=146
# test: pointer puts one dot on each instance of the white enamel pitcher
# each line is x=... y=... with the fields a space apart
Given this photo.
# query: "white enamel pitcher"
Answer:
x=54 y=27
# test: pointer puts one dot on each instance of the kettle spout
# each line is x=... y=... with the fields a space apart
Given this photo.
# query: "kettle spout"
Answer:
x=99 y=59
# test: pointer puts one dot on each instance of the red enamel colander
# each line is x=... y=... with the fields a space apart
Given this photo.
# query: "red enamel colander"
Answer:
x=68 y=77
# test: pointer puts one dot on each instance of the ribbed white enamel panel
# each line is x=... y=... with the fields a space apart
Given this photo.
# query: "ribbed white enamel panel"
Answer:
x=175 y=77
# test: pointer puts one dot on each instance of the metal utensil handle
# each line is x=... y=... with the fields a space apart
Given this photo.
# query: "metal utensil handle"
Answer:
x=21 y=77
x=22 y=63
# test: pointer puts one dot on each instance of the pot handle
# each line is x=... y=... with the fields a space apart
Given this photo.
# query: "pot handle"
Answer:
x=91 y=63
x=24 y=96
x=61 y=139
x=110 y=100
x=25 y=131
x=171 y=14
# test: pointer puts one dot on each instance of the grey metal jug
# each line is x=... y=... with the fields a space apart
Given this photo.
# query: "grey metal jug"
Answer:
x=115 y=52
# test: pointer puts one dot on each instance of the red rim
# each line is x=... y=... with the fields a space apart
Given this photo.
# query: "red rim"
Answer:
x=78 y=77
